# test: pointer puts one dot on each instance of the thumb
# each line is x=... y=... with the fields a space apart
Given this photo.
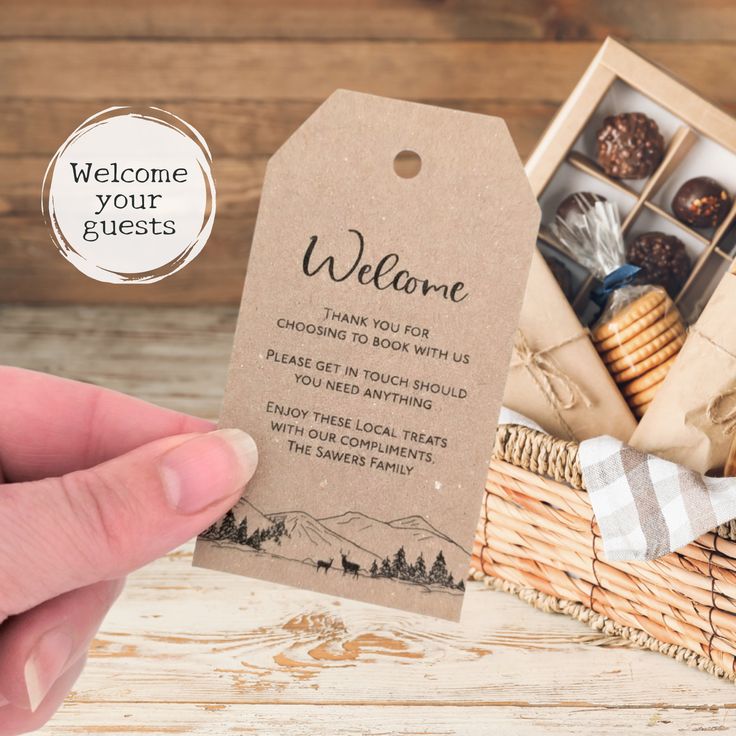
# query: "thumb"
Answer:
x=59 y=534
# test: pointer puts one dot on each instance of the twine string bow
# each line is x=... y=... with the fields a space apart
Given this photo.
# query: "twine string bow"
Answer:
x=721 y=415
x=560 y=390
x=718 y=412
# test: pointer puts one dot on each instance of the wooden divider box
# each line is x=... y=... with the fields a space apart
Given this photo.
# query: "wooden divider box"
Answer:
x=558 y=379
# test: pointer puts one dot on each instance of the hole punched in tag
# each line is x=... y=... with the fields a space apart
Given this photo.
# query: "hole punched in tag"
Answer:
x=407 y=164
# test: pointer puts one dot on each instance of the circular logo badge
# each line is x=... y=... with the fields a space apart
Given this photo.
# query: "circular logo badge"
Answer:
x=129 y=197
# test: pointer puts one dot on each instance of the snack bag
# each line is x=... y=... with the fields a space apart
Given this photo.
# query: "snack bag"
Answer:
x=639 y=331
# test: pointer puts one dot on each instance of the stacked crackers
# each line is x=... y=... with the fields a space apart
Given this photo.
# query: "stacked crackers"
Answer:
x=639 y=344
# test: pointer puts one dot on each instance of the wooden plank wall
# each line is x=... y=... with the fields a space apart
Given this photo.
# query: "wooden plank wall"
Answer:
x=247 y=72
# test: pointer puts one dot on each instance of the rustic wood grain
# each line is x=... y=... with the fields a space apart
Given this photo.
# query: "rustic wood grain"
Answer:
x=31 y=271
x=192 y=651
x=171 y=357
x=397 y=720
x=298 y=70
x=309 y=70
x=373 y=19
x=186 y=635
x=238 y=129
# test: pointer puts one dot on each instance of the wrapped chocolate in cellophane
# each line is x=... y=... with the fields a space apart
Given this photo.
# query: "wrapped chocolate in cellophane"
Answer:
x=639 y=330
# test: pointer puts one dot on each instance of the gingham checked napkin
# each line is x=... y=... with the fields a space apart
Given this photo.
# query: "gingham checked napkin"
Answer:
x=645 y=506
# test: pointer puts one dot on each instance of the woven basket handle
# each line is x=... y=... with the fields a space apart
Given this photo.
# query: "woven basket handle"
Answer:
x=540 y=453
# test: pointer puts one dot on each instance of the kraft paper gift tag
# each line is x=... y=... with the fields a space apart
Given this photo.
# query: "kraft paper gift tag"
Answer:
x=371 y=352
x=556 y=376
x=693 y=415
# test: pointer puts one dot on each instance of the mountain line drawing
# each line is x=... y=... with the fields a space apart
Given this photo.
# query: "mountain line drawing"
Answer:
x=409 y=549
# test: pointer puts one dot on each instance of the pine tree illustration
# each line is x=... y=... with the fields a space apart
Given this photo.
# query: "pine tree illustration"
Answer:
x=438 y=573
x=461 y=585
x=399 y=567
x=374 y=569
x=278 y=530
x=211 y=532
x=386 y=568
x=228 y=530
x=420 y=569
x=242 y=537
x=256 y=539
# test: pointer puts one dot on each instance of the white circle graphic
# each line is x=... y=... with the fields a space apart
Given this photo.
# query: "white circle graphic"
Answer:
x=129 y=197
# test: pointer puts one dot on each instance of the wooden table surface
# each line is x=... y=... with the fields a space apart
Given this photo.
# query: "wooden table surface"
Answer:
x=192 y=651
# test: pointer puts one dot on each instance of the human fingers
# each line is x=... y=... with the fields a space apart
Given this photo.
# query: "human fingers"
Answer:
x=38 y=646
x=59 y=534
x=14 y=720
x=50 y=426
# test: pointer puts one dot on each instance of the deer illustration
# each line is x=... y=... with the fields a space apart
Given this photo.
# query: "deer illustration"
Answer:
x=349 y=567
x=324 y=564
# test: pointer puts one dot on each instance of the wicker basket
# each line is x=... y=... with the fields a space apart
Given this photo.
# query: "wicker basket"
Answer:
x=537 y=539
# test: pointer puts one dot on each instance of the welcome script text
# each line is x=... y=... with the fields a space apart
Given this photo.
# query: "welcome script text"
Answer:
x=384 y=275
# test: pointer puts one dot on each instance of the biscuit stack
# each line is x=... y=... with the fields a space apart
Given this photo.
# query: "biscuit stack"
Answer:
x=639 y=344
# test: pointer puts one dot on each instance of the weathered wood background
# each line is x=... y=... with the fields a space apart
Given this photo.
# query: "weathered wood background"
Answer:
x=247 y=72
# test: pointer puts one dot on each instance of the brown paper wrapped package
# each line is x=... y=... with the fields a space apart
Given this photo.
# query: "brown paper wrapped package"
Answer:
x=688 y=421
x=556 y=377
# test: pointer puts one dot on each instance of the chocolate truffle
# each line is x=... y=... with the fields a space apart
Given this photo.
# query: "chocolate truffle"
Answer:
x=630 y=145
x=701 y=202
x=575 y=205
x=662 y=259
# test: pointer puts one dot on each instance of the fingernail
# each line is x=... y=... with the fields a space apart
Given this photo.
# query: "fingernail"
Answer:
x=45 y=664
x=208 y=469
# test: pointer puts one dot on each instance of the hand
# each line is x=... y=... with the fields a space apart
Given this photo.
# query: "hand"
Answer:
x=94 y=485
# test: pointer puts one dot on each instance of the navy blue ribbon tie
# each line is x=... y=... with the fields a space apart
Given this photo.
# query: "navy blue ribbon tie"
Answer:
x=622 y=276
